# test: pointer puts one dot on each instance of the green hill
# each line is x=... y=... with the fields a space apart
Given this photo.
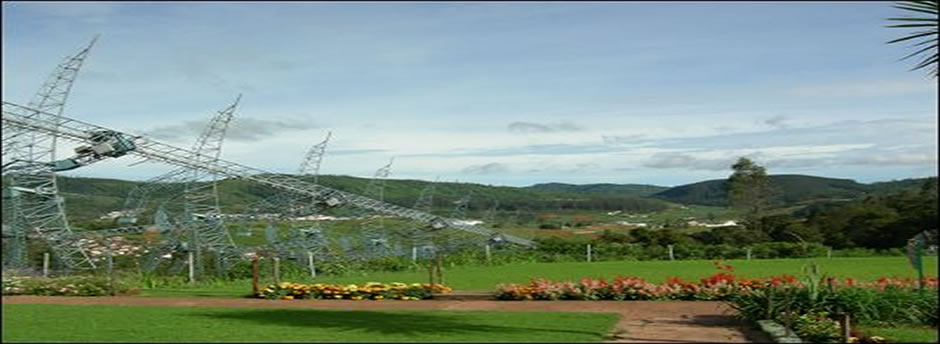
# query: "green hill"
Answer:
x=617 y=189
x=89 y=198
x=791 y=189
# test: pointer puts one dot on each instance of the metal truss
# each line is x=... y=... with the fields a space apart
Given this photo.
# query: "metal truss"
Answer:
x=32 y=195
x=78 y=131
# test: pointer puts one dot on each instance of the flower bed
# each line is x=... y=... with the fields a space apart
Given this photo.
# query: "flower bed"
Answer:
x=720 y=286
x=62 y=286
x=366 y=291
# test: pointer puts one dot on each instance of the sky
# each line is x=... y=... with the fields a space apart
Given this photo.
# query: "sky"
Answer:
x=496 y=93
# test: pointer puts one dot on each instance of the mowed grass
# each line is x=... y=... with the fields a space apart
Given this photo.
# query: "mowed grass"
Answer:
x=57 y=323
x=905 y=334
x=483 y=278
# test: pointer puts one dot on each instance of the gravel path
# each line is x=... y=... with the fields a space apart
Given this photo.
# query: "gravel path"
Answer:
x=640 y=322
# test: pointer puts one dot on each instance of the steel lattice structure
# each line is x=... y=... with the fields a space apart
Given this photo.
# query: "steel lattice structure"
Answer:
x=371 y=231
x=78 y=131
x=202 y=226
x=32 y=195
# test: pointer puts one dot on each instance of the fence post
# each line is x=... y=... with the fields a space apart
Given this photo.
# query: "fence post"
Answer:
x=254 y=273
x=487 y=249
x=192 y=266
x=45 y=264
x=845 y=325
x=313 y=269
x=589 y=253
x=277 y=270
x=440 y=269
x=110 y=270
x=748 y=253
x=671 y=255
x=414 y=253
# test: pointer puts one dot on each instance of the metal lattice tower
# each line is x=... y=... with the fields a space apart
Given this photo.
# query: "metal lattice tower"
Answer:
x=146 y=148
x=202 y=213
x=291 y=203
x=202 y=224
x=311 y=163
x=32 y=195
x=371 y=231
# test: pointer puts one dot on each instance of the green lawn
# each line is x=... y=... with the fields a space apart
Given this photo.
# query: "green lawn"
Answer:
x=481 y=278
x=904 y=334
x=47 y=323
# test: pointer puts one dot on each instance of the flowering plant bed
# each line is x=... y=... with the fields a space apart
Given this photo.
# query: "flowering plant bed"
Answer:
x=61 y=286
x=720 y=286
x=366 y=291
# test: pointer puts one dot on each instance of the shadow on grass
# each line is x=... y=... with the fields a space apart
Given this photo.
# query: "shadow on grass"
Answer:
x=388 y=323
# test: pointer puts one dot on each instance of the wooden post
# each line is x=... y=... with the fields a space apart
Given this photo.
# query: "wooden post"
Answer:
x=845 y=325
x=671 y=255
x=254 y=274
x=440 y=269
x=277 y=270
x=110 y=270
x=487 y=250
x=748 y=253
x=45 y=264
x=589 y=253
x=192 y=267
x=431 y=271
x=313 y=269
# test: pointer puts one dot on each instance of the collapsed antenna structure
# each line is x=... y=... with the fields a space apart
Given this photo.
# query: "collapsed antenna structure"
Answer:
x=371 y=230
x=78 y=131
x=33 y=195
x=292 y=206
x=201 y=224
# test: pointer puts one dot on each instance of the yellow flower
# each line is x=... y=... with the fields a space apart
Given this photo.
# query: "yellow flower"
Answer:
x=416 y=284
x=337 y=296
x=379 y=297
x=284 y=285
x=853 y=339
x=287 y=297
x=357 y=297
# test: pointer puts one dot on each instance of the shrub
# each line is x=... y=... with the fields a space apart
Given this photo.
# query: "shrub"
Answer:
x=62 y=286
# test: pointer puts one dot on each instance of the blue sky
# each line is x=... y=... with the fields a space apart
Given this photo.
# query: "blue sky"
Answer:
x=497 y=93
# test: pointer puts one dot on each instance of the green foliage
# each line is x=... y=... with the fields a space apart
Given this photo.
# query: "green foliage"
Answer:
x=749 y=189
x=619 y=189
x=792 y=188
x=814 y=327
x=928 y=31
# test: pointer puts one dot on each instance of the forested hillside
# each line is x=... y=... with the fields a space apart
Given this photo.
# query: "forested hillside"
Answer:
x=789 y=189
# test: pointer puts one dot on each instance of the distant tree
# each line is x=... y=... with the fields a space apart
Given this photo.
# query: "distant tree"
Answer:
x=749 y=190
x=927 y=35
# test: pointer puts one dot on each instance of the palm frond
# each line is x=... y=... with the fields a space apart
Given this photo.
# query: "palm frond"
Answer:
x=925 y=37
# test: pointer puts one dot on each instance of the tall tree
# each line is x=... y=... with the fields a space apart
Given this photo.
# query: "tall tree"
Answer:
x=926 y=23
x=749 y=190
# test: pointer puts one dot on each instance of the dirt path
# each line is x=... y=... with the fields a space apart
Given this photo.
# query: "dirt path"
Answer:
x=641 y=321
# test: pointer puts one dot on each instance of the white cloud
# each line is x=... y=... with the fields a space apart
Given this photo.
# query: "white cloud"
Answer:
x=867 y=88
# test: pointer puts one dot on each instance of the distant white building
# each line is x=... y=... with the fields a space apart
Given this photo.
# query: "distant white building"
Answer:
x=723 y=224
x=468 y=222
x=634 y=224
